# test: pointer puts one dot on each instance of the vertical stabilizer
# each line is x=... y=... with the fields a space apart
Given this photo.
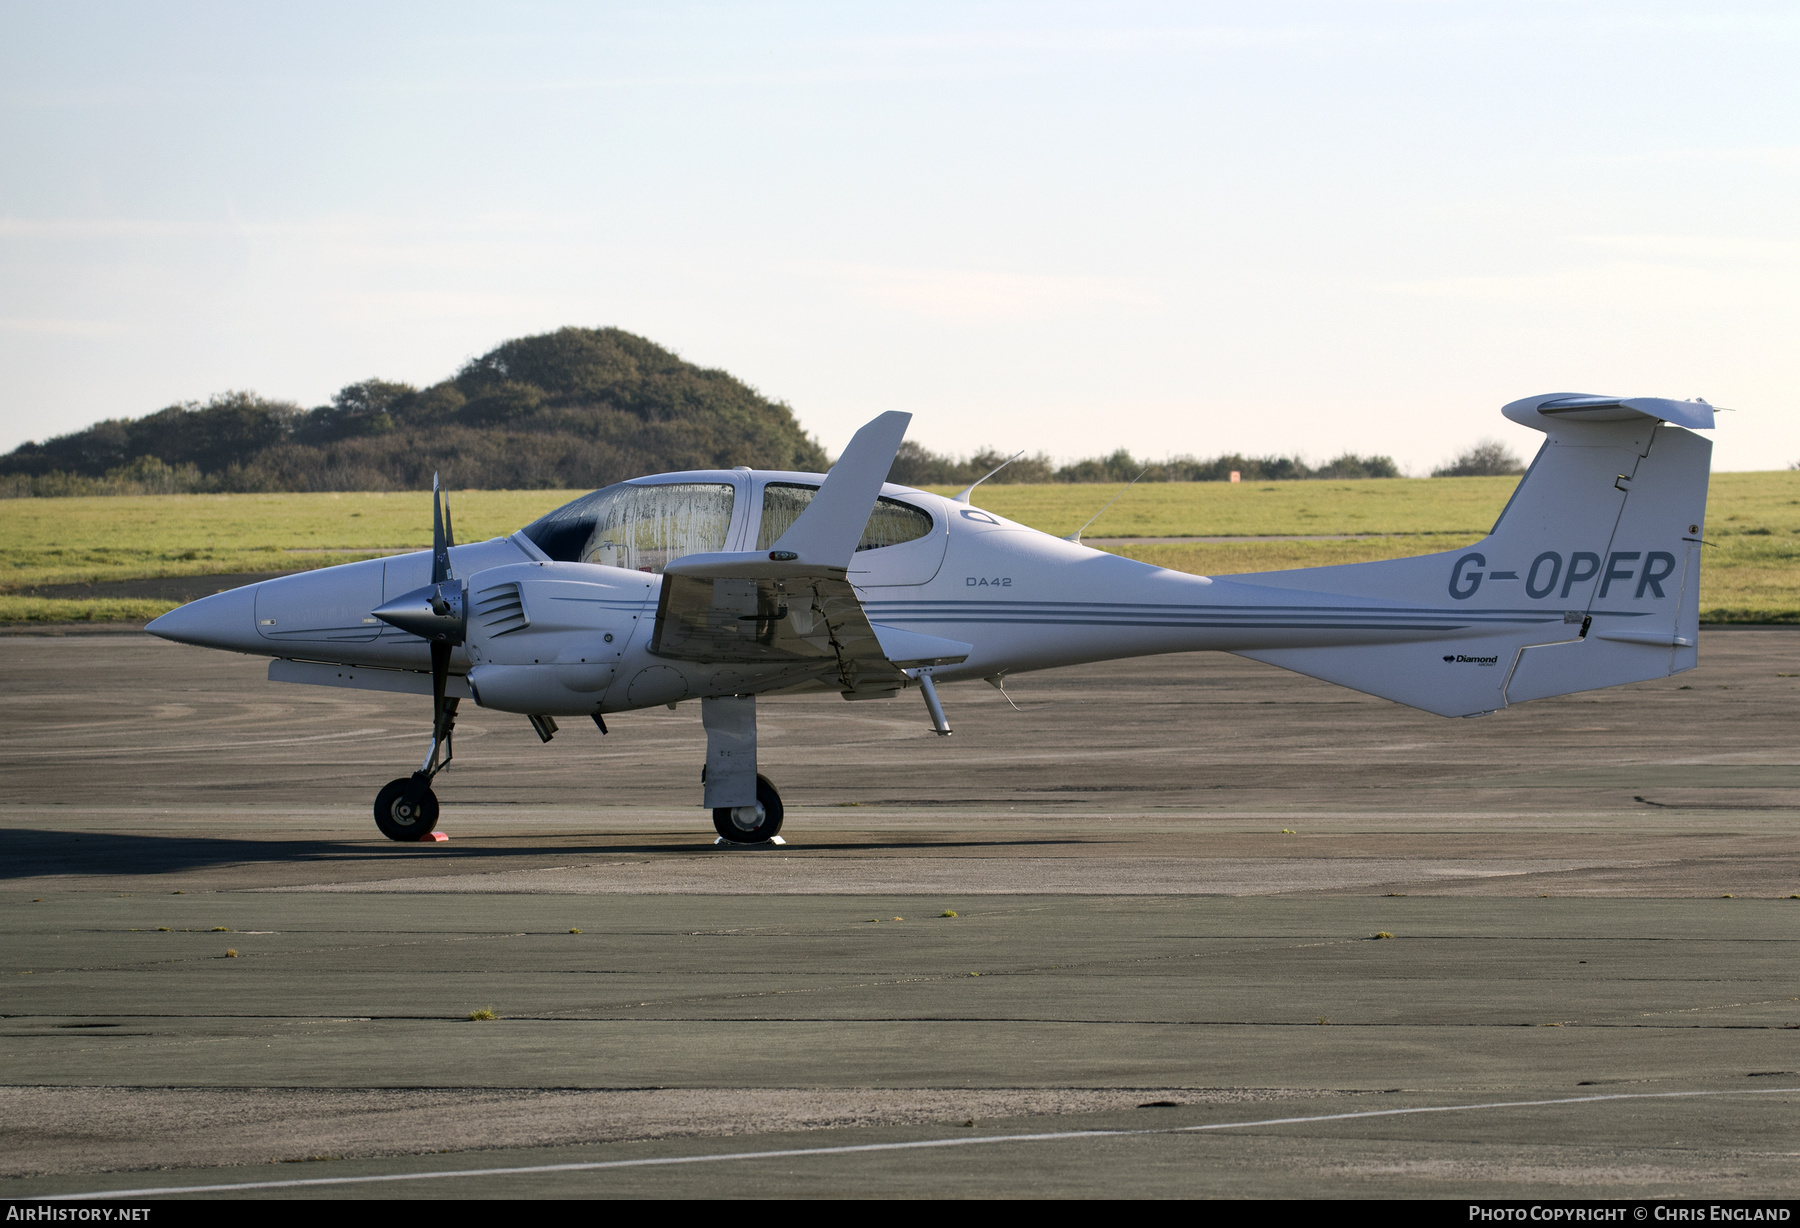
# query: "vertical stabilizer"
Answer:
x=1643 y=600
x=1590 y=578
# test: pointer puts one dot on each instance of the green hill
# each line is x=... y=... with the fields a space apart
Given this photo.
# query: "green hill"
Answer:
x=577 y=408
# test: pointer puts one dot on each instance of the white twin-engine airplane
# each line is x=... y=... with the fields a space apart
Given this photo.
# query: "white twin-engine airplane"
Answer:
x=723 y=585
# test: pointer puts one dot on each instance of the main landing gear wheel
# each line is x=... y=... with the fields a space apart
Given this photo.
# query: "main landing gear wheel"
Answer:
x=748 y=824
x=400 y=819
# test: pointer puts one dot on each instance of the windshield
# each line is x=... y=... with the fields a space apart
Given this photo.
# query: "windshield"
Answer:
x=891 y=523
x=638 y=526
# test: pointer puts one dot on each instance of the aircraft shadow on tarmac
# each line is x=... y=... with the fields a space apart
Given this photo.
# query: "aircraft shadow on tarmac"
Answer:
x=39 y=853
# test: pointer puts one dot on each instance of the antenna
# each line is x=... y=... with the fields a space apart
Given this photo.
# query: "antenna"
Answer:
x=1076 y=535
x=970 y=488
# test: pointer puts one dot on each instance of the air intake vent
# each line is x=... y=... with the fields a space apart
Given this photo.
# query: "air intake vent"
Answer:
x=501 y=609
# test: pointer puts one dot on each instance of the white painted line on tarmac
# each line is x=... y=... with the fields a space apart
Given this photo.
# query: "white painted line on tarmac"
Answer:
x=860 y=1148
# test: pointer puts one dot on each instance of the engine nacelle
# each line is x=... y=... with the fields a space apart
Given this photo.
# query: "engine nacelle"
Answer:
x=544 y=638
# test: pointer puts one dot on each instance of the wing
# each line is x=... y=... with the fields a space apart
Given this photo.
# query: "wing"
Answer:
x=788 y=614
x=786 y=630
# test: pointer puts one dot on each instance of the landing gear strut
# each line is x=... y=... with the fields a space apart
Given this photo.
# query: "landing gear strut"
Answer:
x=745 y=807
x=407 y=809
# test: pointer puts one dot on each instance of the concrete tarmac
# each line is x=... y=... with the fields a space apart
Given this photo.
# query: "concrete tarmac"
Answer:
x=1220 y=930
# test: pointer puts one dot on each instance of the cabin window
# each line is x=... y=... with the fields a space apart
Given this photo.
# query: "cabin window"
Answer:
x=891 y=523
x=638 y=526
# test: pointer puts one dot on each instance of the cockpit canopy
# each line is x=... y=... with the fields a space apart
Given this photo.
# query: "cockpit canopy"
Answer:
x=644 y=525
x=638 y=526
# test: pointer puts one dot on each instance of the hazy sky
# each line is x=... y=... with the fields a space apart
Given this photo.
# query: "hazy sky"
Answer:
x=1177 y=228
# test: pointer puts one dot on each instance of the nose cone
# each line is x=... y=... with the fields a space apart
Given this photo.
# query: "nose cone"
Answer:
x=434 y=612
x=224 y=620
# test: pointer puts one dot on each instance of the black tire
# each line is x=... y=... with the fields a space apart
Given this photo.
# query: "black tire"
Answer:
x=396 y=820
x=768 y=817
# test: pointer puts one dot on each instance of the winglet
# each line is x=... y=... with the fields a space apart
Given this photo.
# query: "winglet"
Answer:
x=827 y=531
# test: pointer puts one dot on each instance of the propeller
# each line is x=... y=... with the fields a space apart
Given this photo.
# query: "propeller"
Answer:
x=446 y=602
x=437 y=613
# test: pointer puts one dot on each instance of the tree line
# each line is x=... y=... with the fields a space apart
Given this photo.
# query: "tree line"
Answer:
x=577 y=408
x=919 y=466
x=574 y=409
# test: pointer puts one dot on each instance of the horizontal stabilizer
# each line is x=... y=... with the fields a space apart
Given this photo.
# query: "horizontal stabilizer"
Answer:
x=1542 y=412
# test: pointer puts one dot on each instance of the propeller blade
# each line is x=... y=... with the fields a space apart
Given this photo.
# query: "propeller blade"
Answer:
x=440 y=549
x=450 y=529
x=440 y=676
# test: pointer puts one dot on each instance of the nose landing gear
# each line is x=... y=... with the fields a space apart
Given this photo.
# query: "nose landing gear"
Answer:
x=407 y=809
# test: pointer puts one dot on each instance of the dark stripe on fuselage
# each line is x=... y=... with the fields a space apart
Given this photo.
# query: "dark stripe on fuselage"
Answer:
x=1209 y=616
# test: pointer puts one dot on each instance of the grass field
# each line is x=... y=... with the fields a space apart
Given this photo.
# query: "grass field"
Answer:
x=74 y=541
x=1750 y=574
x=1230 y=509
